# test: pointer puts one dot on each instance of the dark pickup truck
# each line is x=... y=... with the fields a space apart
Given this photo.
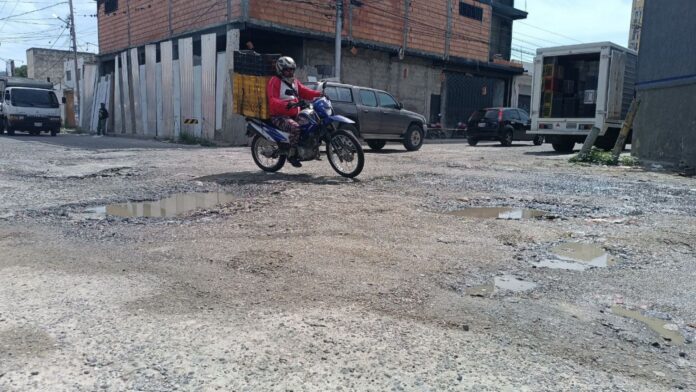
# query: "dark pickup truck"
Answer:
x=378 y=116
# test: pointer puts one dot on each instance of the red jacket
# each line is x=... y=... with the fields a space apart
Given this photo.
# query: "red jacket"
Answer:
x=278 y=97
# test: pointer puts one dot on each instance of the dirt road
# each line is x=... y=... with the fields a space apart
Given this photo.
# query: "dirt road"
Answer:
x=305 y=281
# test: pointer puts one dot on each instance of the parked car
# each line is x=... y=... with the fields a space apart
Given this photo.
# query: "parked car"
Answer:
x=379 y=117
x=502 y=124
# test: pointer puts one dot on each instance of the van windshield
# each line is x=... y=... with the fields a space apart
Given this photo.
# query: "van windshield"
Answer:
x=30 y=98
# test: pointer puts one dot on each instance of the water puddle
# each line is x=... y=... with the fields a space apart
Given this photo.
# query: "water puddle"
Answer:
x=500 y=283
x=588 y=254
x=505 y=213
x=512 y=283
x=661 y=327
x=563 y=265
x=166 y=208
x=484 y=290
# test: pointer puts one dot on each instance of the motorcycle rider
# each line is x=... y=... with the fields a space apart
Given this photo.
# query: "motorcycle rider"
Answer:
x=283 y=91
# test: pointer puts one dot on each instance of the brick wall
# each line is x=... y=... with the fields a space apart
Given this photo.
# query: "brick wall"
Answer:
x=149 y=20
x=383 y=22
x=375 y=21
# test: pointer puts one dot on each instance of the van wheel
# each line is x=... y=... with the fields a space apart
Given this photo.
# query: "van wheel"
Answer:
x=413 y=139
x=7 y=128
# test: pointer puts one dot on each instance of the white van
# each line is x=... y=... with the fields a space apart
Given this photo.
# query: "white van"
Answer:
x=28 y=105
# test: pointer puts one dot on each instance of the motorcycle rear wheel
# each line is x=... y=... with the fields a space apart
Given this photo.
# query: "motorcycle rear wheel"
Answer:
x=345 y=154
x=261 y=148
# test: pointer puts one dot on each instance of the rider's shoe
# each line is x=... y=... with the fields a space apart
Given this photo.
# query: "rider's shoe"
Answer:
x=295 y=162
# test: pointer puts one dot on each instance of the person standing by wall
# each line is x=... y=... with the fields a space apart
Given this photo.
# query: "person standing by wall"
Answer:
x=103 y=116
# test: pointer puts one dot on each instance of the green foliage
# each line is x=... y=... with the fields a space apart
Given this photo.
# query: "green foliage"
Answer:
x=21 y=71
x=601 y=157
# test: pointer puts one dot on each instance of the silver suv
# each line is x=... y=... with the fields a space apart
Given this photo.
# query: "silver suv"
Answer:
x=378 y=116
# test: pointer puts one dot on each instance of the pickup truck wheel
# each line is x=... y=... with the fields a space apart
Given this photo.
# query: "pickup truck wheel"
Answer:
x=376 y=145
x=506 y=140
x=350 y=128
x=539 y=140
x=472 y=141
x=54 y=132
x=413 y=139
x=565 y=146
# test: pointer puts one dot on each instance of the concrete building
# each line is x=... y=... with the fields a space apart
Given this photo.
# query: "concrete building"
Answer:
x=664 y=128
x=636 y=25
x=48 y=64
x=522 y=88
x=439 y=57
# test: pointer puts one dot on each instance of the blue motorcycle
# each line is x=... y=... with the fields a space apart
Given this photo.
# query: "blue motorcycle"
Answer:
x=270 y=147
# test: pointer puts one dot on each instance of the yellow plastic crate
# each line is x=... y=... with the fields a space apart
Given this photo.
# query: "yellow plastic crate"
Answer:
x=250 y=95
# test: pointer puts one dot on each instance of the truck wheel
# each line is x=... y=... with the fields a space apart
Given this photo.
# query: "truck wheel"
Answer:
x=7 y=128
x=54 y=132
x=605 y=143
x=565 y=146
x=539 y=140
x=413 y=140
x=506 y=140
x=472 y=141
x=376 y=145
x=350 y=128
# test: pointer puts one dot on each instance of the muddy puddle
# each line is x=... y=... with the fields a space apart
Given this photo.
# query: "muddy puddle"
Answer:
x=589 y=254
x=505 y=213
x=167 y=208
x=666 y=330
x=500 y=283
x=578 y=257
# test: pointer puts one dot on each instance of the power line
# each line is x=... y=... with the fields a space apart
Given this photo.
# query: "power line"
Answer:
x=33 y=11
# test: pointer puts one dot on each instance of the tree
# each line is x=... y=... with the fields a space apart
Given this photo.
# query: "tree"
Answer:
x=21 y=71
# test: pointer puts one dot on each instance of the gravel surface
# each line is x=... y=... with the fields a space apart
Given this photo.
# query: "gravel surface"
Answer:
x=310 y=282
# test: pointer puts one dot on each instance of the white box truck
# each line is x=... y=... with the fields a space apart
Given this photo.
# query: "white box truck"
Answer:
x=578 y=87
x=28 y=105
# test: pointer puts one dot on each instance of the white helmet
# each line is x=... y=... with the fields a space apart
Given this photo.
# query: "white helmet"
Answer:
x=284 y=63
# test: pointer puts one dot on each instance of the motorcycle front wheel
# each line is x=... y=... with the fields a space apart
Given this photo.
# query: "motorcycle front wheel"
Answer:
x=345 y=154
x=266 y=154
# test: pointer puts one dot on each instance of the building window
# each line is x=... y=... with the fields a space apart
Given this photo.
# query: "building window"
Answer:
x=470 y=11
x=110 y=6
x=68 y=76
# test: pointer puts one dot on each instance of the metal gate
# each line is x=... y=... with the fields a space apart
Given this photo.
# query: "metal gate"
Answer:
x=466 y=93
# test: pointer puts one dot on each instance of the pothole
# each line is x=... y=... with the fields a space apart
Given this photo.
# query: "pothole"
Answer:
x=577 y=257
x=667 y=331
x=500 y=283
x=166 y=208
x=505 y=213
x=584 y=253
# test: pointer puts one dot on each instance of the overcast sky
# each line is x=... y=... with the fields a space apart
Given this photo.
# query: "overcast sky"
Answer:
x=550 y=23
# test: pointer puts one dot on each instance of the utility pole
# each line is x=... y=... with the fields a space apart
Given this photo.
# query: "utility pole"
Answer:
x=77 y=71
x=339 y=32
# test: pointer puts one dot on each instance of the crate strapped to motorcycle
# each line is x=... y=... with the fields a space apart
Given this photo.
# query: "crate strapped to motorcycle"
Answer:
x=252 y=72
